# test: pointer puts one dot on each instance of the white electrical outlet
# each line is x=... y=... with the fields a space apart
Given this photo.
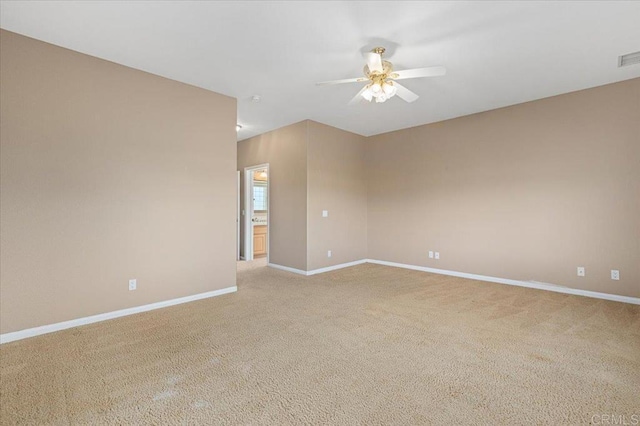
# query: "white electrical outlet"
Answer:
x=615 y=274
x=325 y=213
x=133 y=284
x=430 y=254
x=329 y=253
x=581 y=271
x=437 y=255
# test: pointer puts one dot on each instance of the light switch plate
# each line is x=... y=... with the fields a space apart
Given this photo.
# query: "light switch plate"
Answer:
x=325 y=213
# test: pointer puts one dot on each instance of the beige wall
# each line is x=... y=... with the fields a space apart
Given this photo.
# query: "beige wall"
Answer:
x=108 y=173
x=285 y=150
x=336 y=183
x=527 y=192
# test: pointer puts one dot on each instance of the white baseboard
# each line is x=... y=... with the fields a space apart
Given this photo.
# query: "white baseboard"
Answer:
x=334 y=267
x=288 y=269
x=317 y=271
x=529 y=284
x=36 y=331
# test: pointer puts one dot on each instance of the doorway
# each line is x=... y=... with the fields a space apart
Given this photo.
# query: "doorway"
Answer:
x=256 y=228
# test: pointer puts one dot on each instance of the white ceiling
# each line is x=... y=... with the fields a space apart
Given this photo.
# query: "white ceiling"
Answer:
x=496 y=53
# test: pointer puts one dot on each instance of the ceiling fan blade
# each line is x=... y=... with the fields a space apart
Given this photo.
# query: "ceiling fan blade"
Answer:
x=346 y=80
x=419 y=72
x=405 y=93
x=357 y=98
x=374 y=62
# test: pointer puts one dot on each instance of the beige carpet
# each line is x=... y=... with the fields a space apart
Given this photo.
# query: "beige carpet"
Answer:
x=364 y=345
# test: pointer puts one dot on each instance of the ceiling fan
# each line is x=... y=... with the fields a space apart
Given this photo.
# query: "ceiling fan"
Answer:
x=381 y=79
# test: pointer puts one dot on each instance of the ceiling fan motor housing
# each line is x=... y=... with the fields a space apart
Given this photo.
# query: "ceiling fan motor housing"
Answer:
x=387 y=69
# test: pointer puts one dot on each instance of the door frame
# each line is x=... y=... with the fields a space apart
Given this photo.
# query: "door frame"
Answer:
x=248 y=210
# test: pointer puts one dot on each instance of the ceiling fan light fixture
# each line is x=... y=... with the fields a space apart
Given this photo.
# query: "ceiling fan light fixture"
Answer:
x=367 y=94
x=380 y=79
x=381 y=97
x=389 y=89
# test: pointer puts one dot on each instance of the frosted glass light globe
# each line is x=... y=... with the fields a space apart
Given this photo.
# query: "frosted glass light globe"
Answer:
x=367 y=94
x=389 y=89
